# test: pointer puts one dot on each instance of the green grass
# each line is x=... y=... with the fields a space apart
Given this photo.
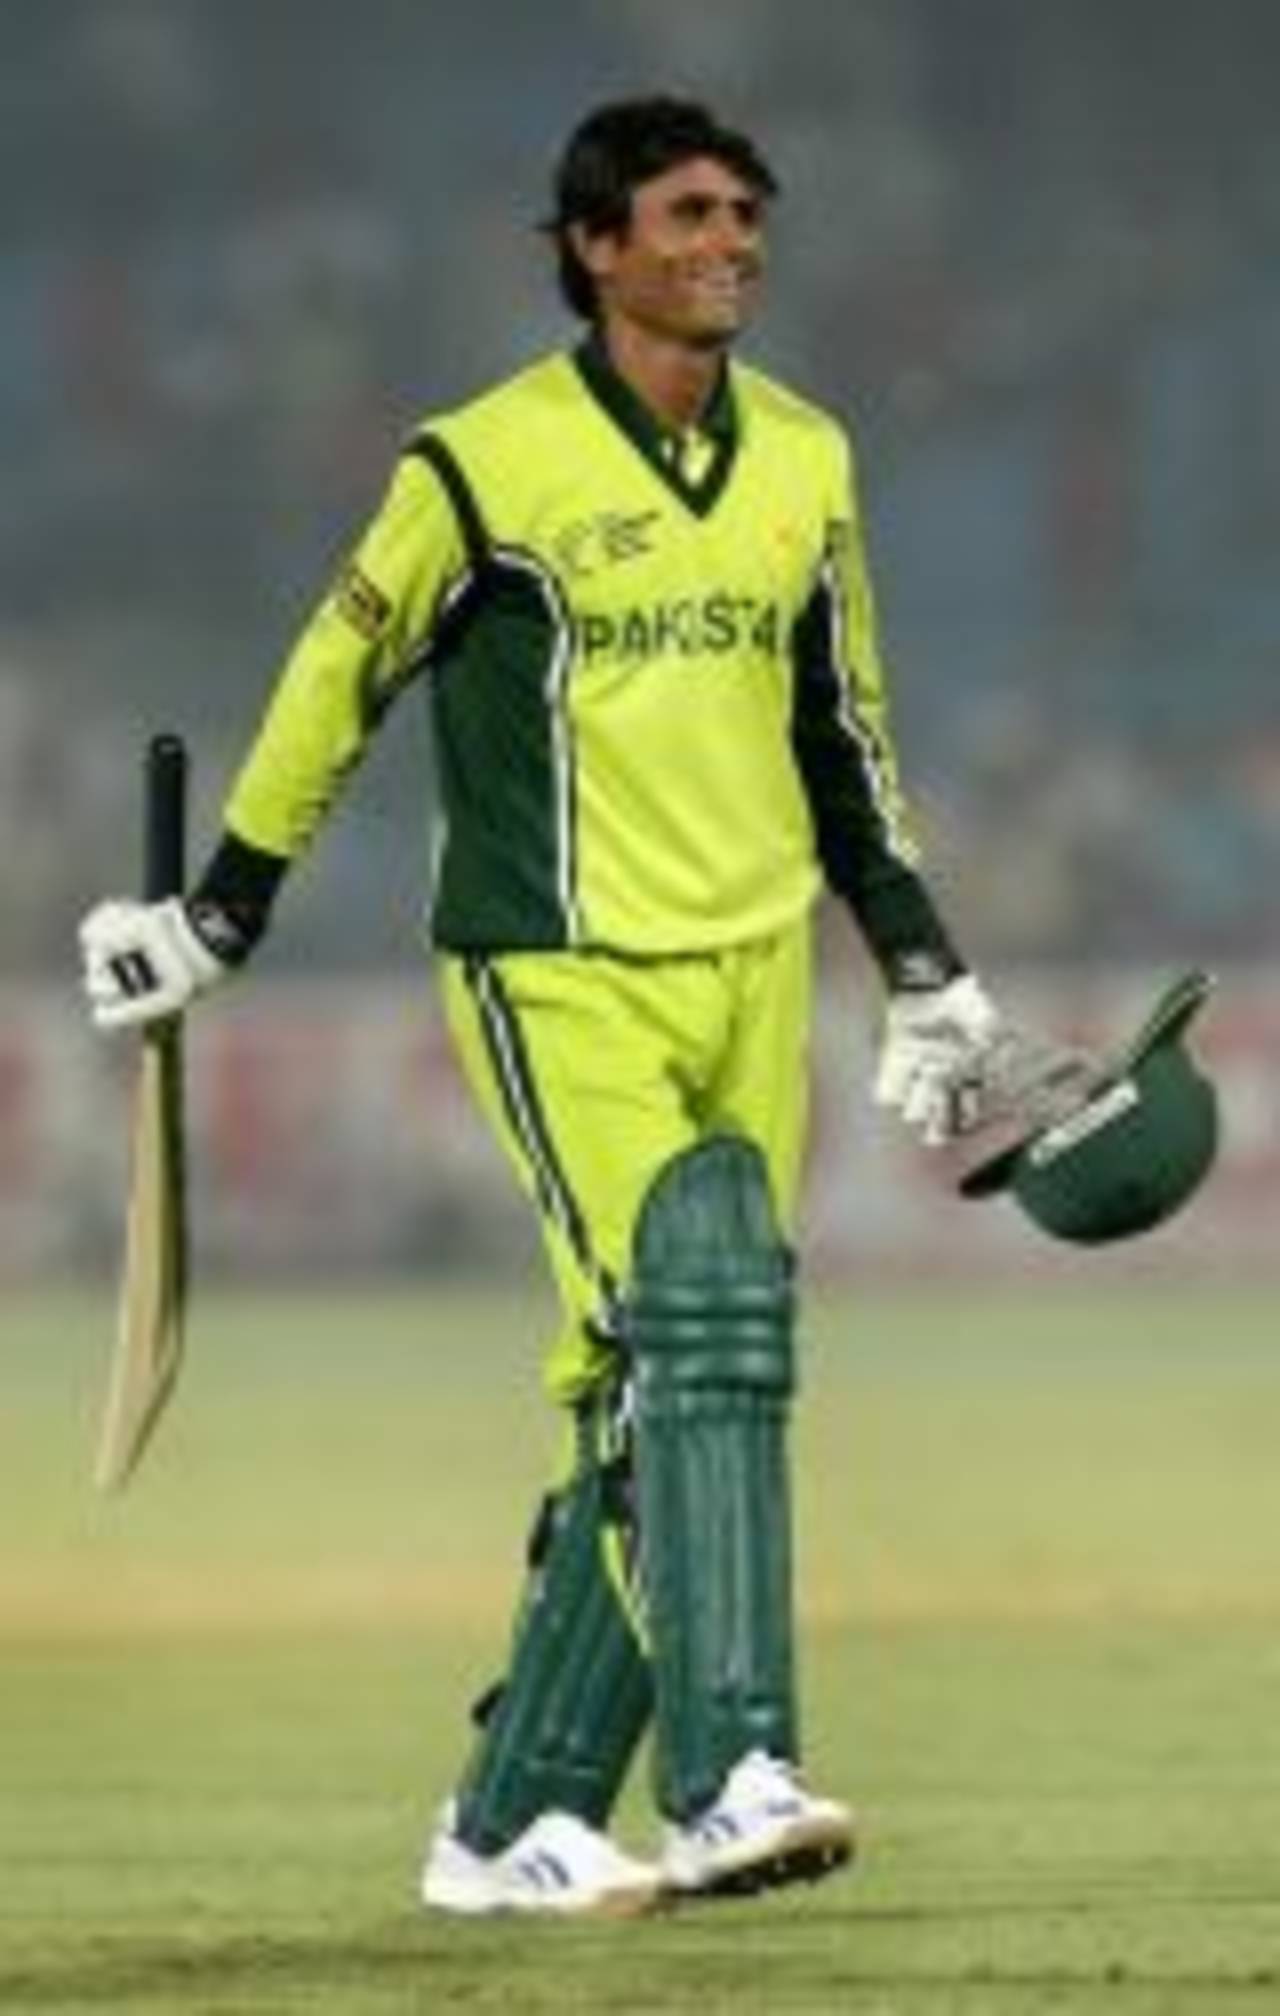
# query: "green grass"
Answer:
x=1039 y=1549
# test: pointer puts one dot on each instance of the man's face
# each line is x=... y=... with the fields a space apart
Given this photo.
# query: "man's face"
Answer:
x=687 y=265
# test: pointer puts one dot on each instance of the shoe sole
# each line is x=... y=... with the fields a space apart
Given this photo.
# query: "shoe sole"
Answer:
x=804 y=1853
x=641 y=1901
x=619 y=1904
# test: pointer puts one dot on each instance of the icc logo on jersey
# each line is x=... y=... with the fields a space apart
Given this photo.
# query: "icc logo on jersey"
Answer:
x=591 y=544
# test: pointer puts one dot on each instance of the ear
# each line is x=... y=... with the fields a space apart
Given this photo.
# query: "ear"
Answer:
x=596 y=251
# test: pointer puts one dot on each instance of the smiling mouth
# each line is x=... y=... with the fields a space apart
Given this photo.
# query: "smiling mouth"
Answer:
x=726 y=284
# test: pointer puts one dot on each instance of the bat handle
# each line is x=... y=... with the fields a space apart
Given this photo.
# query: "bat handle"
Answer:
x=164 y=847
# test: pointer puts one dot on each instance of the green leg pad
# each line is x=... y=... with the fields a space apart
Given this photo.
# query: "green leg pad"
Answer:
x=710 y=1332
x=562 y=1729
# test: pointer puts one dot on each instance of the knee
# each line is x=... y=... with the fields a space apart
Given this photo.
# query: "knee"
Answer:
x=712 y=1281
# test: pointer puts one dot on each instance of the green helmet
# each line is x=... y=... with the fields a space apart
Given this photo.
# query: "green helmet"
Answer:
x=1133 y=1150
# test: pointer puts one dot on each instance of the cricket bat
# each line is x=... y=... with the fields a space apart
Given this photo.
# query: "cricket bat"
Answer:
x=148 y=1346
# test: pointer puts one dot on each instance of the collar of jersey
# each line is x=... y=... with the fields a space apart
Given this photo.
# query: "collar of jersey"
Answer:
x=660 y=445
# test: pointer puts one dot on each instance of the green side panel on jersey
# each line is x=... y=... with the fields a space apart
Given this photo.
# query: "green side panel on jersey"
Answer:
x=506 y=870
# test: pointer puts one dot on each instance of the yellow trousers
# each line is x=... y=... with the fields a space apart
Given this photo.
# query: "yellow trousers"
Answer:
x=594 y=1071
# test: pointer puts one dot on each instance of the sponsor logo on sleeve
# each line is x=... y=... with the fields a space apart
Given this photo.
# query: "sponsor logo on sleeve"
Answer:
x=361 y=602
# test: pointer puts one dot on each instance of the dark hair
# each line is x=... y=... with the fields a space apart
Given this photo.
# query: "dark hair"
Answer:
x=617 y=147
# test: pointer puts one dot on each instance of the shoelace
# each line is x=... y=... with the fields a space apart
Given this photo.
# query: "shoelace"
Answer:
x=720 y=1825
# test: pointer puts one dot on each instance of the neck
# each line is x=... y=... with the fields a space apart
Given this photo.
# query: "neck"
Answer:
x=675 y=380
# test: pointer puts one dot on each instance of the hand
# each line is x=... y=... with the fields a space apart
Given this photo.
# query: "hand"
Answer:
x=144 y=961
x=933 y=1056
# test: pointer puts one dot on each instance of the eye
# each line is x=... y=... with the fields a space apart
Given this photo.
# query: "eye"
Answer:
x=693 y=208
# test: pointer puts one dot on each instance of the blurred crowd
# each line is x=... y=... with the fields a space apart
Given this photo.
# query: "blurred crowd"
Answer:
x=1031 y=252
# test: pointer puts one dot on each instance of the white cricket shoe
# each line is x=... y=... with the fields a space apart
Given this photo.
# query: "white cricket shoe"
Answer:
x=764 y=1830
x=559 y=1867
x=457 y=1878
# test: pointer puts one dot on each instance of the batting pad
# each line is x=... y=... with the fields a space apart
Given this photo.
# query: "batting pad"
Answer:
x=561 y=1730
x=710 y=1333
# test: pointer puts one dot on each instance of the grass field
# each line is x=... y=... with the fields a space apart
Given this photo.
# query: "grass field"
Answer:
x=1040 y=1568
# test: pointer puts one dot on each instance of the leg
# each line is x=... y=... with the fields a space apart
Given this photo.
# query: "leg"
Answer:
x=525 y=1829
x=709 y=1254
x=598 y=1075
x=550 y=1050
x=710 y=1333
x=711 y=1337
x=575 y=1086
x=562 y=1729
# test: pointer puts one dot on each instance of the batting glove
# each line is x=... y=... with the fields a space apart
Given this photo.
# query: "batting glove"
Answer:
x=144 y=961
x=933 y=1057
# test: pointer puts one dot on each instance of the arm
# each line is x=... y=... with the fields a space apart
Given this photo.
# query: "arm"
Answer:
x=846 y=760
x=367 y=641
x=938 y=1021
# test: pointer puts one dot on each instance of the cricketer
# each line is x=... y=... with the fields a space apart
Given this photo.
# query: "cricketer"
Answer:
x=632 y=579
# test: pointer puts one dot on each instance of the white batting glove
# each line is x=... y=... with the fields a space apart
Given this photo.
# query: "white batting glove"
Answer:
x=143 y=961
x=933 y=1054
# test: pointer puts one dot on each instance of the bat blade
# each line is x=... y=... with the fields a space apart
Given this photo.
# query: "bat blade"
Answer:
x=151 y=1307
x=151 y=1310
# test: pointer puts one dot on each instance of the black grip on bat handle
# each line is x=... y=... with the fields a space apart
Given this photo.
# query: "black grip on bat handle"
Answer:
x=164 y=846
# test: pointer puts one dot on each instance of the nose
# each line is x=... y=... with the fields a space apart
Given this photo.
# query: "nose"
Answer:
x=735 y=233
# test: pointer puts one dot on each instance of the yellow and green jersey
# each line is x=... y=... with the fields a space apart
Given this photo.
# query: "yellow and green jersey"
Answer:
x=656 y=695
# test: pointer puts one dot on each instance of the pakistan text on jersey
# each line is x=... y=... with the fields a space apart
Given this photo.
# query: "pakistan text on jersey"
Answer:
x=688 y=627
